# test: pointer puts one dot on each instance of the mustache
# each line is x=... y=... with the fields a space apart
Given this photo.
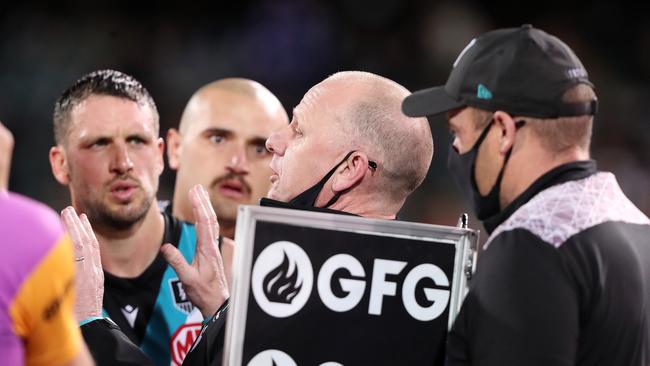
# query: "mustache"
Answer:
x=232 y=176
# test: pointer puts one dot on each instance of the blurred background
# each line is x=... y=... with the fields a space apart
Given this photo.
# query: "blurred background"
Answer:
x=290 y=45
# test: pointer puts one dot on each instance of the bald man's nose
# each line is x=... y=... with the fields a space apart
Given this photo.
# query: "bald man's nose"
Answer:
x=275 y=143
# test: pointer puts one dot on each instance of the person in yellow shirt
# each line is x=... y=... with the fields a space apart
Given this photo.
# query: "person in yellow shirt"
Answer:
x=37 y=322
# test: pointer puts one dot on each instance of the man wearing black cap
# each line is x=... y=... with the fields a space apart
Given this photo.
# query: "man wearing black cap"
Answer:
x=565 y=276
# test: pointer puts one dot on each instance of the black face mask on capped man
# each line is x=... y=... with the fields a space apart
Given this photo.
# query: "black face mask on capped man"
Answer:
x=462 y=168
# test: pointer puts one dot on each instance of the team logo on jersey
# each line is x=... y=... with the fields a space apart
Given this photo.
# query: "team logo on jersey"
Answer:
x=282 y=279
x=130 y=313
x=182 y=340
x=272 y=357
x=181 y=301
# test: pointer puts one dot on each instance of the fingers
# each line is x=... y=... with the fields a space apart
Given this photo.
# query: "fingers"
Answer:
x=227 y=252
x=93 y=257
x=88 y=230
x=91 y=245
x=89 y=279
x=74 y=228
x=207 y=227
x=6 y=148
x=175 y=259
x=202 y=206
x=84 y=240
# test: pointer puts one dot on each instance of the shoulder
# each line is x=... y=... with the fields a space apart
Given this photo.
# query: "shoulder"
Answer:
x=26 y=216
x=561 y=211
x=28 y=226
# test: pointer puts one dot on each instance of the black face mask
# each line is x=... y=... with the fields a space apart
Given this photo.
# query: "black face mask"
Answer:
x=462 y=166
x=308 y=197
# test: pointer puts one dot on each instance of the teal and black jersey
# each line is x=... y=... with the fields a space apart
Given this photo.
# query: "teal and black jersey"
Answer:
x=152 y=309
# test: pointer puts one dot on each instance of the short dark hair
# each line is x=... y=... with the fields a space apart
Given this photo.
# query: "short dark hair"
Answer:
x=556 y=134
x=563 y=133
x=100 y=82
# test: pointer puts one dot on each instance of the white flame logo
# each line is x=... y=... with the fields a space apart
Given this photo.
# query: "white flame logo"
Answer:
x=282 y=279
x=272 y=357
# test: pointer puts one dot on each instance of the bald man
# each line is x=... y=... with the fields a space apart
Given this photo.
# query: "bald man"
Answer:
x=220 y=145
x=348 y=149
x=364 y=157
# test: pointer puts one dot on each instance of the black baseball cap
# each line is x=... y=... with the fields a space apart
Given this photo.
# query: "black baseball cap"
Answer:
x=523 y=71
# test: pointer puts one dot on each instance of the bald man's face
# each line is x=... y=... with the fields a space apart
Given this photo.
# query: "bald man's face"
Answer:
x=222 y=148
x=310 y=146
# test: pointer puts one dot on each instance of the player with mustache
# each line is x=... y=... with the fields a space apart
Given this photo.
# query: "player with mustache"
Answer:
x=220 y=145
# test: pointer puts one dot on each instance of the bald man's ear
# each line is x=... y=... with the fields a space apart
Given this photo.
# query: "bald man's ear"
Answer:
x=351 y=173
x=59 y=164
x=174 y=148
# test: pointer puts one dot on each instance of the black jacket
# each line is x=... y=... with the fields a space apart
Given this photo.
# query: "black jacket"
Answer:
x=110 y=347
x=564 y=279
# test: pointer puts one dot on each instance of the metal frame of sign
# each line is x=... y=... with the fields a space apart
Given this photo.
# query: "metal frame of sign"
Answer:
x=465 y=240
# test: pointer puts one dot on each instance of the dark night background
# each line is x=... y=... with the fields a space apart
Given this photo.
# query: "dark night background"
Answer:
x=290 y=45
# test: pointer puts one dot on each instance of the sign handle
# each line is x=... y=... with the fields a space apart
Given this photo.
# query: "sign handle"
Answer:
x=463 y=221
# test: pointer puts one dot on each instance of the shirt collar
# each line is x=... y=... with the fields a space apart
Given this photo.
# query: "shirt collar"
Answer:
x=566 y=172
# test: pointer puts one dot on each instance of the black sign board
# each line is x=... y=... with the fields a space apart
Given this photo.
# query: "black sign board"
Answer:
x=337 y=290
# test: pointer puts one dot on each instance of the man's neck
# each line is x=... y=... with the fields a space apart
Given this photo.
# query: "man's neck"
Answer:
x=523 y=170
x=366 y=206
x=129 y=252
x=181 y=208
x=226 y=227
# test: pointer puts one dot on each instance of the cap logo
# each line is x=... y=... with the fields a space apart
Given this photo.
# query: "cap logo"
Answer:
x=483 y=92
x=576 y=73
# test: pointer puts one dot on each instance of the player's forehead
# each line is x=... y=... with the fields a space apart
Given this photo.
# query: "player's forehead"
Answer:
x=235 y=111
x=315 y=109
x=103 y=113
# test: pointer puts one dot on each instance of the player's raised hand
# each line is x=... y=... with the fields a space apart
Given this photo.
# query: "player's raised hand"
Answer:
x=204 y=281
x=89 y=278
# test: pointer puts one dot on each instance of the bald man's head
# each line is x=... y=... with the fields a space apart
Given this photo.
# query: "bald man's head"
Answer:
x=352 y=122
x=220 y=144
x=373 y=119
x=209 y=96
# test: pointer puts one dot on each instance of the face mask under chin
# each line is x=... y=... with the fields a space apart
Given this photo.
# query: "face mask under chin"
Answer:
x=308 y=197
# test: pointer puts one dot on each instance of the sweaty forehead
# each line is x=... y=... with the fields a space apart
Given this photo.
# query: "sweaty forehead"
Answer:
x=322 y=104
x=310 y=101
x=103 y=112
x=321 y=117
